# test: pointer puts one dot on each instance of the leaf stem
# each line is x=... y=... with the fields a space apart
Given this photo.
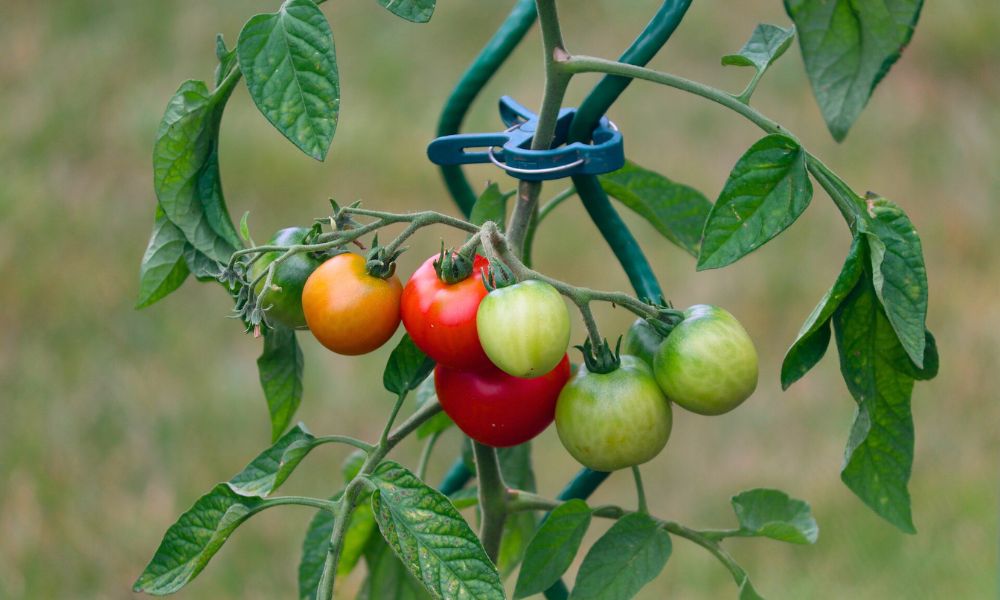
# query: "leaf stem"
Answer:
x=344 y=439
x=492 y=498
x=319 y=503
x=425 y=455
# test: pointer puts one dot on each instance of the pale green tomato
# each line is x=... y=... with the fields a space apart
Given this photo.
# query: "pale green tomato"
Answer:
x=611 y=421
x=708 y=363
x=642 y=341
x=524 y=328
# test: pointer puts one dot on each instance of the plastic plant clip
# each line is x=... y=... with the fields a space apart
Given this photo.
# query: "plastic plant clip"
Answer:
x=511 y=150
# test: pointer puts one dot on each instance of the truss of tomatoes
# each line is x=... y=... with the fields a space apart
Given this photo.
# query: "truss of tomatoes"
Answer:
x=503 y=374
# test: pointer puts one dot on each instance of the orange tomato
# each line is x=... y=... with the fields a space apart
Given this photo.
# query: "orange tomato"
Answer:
x=347 y=310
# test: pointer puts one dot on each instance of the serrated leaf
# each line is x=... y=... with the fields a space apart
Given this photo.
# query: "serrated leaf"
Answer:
x=186 y=169
x=766 y=44
x=272 y=467
x=623 y=560
x=431 y=538
x=407 y=367
x=290 y=65
x=898 y=273
x=766 y=192
x=814 y=336
x=280 y=369
x=490 y=206
x=773 y=514
x=197 y=535
x=552 y=549
x=848 y=46
x=439 y=422
x=879 y=455
x=163 y=268
x=388 y=579
x=415 y=11
x=677 y=211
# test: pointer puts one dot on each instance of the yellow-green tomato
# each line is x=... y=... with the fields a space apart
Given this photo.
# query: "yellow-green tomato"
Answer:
x=708 y=363
x=524 y=328
x=284 y=300
x=610 y=421
x=642 y=341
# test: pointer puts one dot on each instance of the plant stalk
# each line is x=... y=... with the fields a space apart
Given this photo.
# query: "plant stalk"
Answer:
x=492 y=499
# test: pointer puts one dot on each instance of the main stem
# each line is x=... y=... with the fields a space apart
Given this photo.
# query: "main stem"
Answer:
x=492 y=498
x=556 y=82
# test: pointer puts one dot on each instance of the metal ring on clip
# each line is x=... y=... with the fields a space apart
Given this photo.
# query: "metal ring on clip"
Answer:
x=509 y=169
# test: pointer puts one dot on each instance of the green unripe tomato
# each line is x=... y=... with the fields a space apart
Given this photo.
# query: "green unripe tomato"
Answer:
x=708 y=363
x=285 y=304
x=524 y=328
x=642 y=340
x=611 y=421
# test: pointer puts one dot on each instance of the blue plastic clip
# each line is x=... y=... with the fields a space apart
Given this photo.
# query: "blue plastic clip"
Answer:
x=515 y=156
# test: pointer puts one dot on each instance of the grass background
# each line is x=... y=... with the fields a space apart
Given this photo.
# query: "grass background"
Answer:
x=113 y=421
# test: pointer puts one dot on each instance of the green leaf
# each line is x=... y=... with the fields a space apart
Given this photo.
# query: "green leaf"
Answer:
x=879 y=454
x=280 y=368
x=773 y=514
x=407 y=367
x=290 y=66
x=766 y=192
x=186 y=169
x=515 y=466
x=163 y=268
x=196 y=536
x=273 y=466
x=553 y=547
x=227 y=60
x=630 y=555
x=931 y=361
x=352 y=464
x=465 y=497
x=437 y=423
x=314 y=549
x=747 y=592
x=202 y=267
x=848 y=46
x=388 y=579
x=431 y=538
x=677 y=211
x=490 y=206
x=898 y=273
x=766 y=44
x=416 y=11
x=814 y=336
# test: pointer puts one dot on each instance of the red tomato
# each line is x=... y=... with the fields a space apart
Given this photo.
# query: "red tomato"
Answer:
x=441 y=317
x=498 y=409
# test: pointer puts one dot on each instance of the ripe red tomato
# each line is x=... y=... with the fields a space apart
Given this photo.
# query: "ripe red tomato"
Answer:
x=348 y=310
x=441 y=317
x=498 y=409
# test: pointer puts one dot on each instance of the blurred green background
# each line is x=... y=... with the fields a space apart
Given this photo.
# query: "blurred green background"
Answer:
x=113 y=421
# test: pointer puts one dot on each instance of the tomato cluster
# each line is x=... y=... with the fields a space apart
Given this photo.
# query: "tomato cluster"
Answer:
x=502 y=372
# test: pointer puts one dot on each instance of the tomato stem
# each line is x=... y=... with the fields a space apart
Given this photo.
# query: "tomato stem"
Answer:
x=640 y=492
x=492 y=498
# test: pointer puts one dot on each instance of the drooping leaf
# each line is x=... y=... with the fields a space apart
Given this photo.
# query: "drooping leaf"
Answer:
x=388 y=579
x=431 y=538
x=814 y=336
x=848 y=46
x=163 y=268
x=416 y=11
x=490 y=206
x=766 y=192
x=879 y=455
x=677 y=211
x=272 y=467
x=515 y=466
x=898 y=273
x=773 y=514
x=290 y=66
x=280 y=368
x=314 y=549
x=931 y=362
x=766 y=44
x=437 y=423
x=630 y=555
x=407 y=367
x=186 y=169
x=197 y=535
x=552 y=549
x=202 y=267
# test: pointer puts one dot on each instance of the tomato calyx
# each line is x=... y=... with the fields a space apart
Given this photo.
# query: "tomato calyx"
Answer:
x=498 y=276
x=381 y=261
x=452 y=267
x=666 y=319
x=601 y=359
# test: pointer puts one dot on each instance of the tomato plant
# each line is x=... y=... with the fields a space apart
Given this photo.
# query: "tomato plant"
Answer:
x=524 y=328
x=498 y=409
x=613 y=414
x=441 y=316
